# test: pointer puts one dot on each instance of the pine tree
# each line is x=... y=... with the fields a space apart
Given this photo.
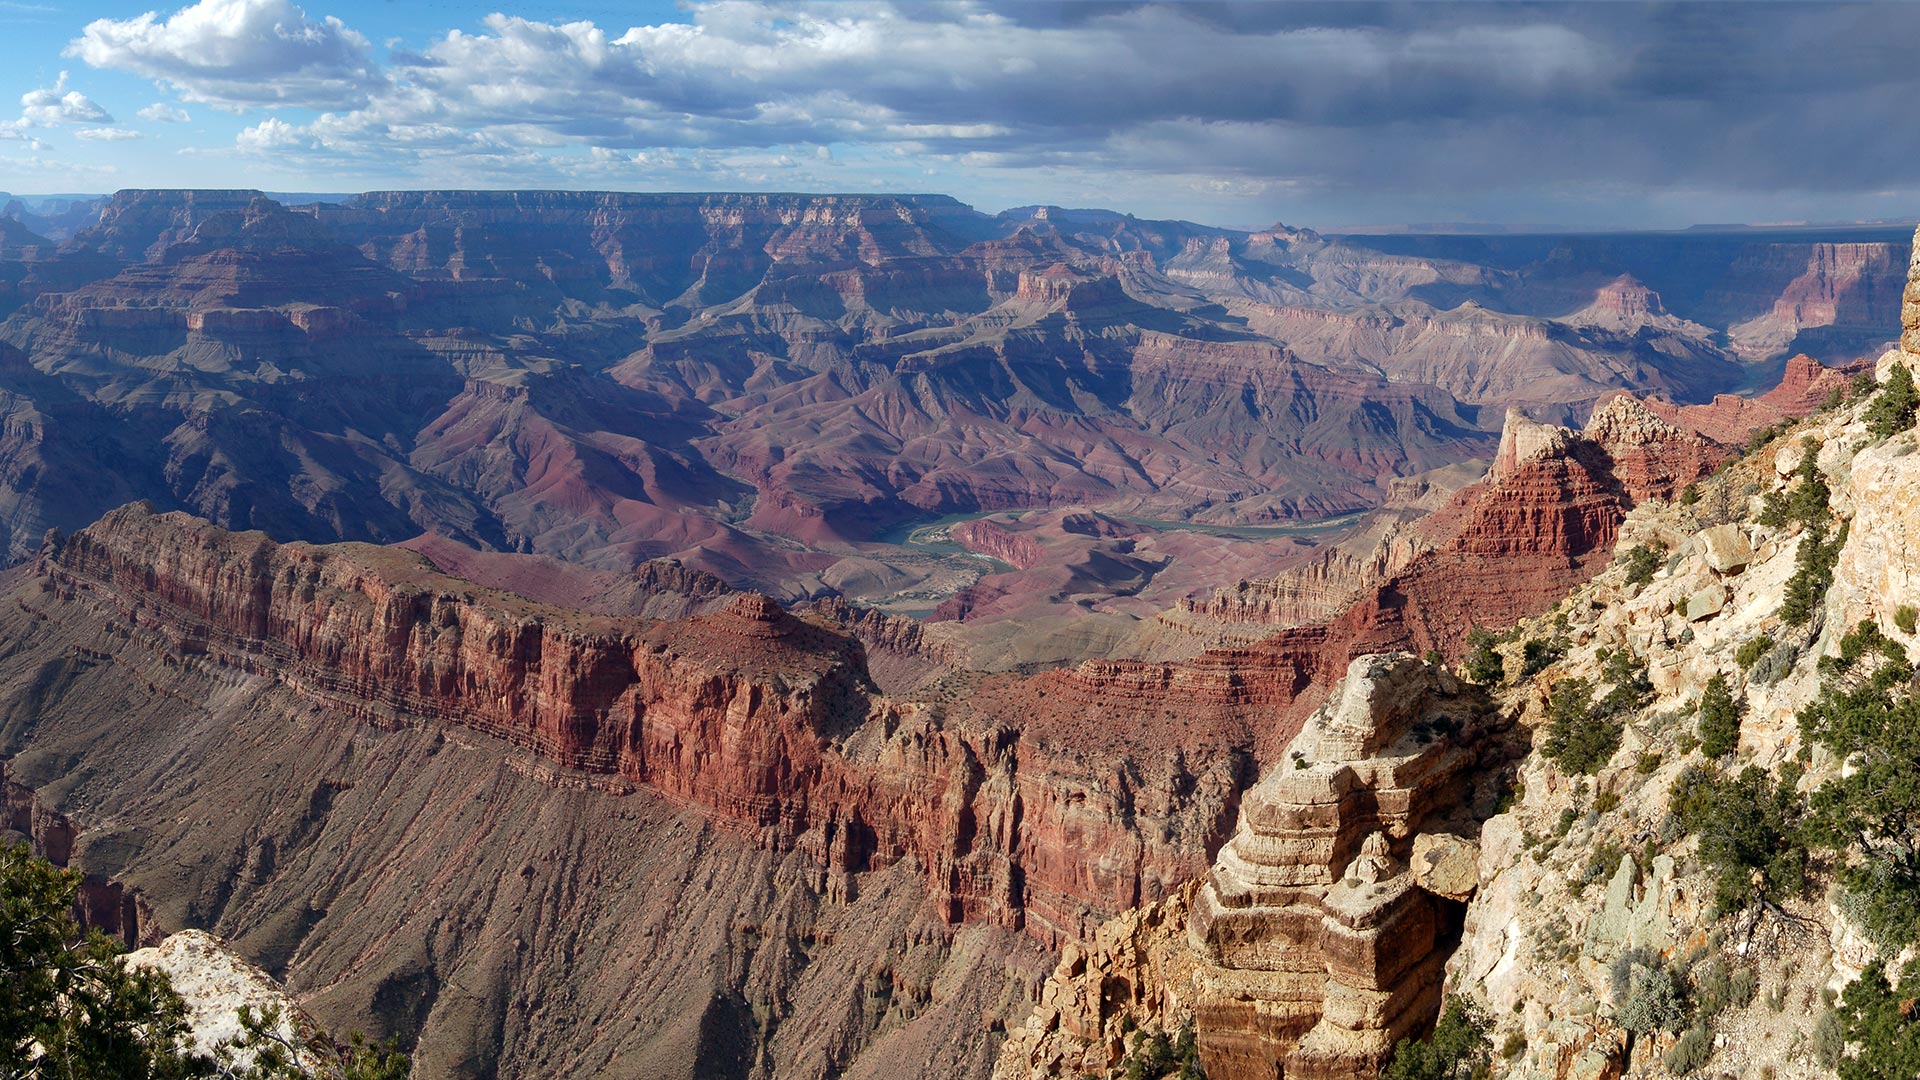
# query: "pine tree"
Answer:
x=1893 y=408
x=1719 y=725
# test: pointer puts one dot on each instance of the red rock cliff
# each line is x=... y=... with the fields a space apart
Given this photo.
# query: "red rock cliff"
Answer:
x=763 y=718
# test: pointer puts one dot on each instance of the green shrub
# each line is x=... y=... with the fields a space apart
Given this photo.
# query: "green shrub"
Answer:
x=1539 y=654
x=1752 y=649
x=1458 y=1050
x=1655 y=1001
x=1719 y=725
x=1629 y=686
x=1713 y=987
x=1806 y=501
x=1154 y=1056
x=1892 y=409
x=1483 y=664
x=1876 y=1033
x=1742 y=986
x=1690 y=494
x=1906 y=617
x=1870 y=719
x=1578 y=737
x=1861 y=385
x=1641 y=561
x=1752 y=842
x=1690 y=1053
x=1813 y=573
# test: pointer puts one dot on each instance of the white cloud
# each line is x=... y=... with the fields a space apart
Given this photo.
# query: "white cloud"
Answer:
x=59 y=105
x=106 y=134
x=238 y=53
x=162 y=113
x=272 y=133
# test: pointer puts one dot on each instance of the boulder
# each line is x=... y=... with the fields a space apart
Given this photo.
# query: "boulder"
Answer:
x=1786 y=460
x=1725 y=547
x=1706 y=603
x=1446 y=865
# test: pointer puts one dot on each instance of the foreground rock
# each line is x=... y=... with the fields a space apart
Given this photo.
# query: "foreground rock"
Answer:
x=1319 y=947
x=216 y=983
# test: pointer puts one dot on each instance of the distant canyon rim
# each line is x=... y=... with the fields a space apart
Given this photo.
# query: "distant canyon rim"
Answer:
x=778 y=389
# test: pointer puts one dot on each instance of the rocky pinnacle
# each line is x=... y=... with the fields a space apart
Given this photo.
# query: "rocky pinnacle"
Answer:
x=1910 y=311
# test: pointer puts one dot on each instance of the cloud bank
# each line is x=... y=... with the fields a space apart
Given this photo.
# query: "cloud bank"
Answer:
x=1443 y=106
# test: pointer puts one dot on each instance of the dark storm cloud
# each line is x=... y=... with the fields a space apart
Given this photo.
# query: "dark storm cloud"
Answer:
x=1454 y=102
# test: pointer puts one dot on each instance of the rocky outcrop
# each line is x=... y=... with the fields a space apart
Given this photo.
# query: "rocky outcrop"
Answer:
x=215 y=983
x=1650 y=457
x=1805 y=384
x=985 y=538
x=1319 y=947
x=1910 y=307
x=1134 y=976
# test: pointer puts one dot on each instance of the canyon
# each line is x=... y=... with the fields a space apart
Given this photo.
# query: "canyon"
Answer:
x=473 y=606
x=762 y=386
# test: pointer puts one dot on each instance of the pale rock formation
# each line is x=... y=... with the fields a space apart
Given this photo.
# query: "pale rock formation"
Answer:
x=1522 y=440
x=1446 y=865
x=1707 y=602
x=216 y=983
x=1910 y=309
x=1725 y=547
x=1318 y=947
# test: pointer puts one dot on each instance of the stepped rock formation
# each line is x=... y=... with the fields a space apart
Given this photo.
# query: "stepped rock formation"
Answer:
x=1651 y=458
x=1318 y=945
x=1910 y=307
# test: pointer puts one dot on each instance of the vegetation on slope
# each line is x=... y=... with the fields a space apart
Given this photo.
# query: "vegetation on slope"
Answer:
x=72 y=1009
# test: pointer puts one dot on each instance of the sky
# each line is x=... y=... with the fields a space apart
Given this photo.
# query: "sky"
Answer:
x=1599 y=115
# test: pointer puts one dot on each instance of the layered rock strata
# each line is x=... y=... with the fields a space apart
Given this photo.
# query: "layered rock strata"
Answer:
x=762 y=718
x=1910 y=306
x=1319 y=946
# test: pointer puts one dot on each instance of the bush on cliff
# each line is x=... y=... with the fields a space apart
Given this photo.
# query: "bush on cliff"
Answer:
x=1719 y=726
x=1483 y=664
x=1868 y=717
x=1750 y=827
x=71 y=1009
x=1879 y=1026
x=1804 y=503
x=1813 y=566
x=1538 y=654
x=1459 y=1049
x=1579 y=737
x=1640 y=562
x=1892 y=410
x=1154 y=1056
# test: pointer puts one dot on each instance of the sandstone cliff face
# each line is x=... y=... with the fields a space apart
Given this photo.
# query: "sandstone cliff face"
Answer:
x=1910 y=307
x=762 y=718
x=1319 y=934
x=1318 y=947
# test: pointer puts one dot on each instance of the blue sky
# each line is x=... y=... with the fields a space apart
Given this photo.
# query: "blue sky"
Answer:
x=1239 y=114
